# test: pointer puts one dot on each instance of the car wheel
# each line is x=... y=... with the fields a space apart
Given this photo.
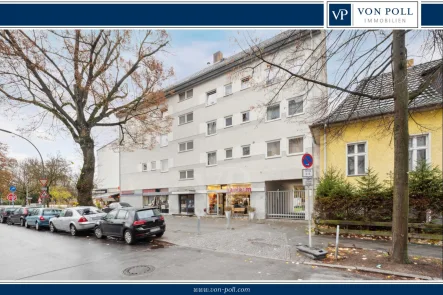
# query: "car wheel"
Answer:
x=129 y=239
x=99 y=233
x=73 y=230
x=26 y=224
x=52 y=228
x=37 y=227
x=22 y=222
x=159 y=235
x=9 y=221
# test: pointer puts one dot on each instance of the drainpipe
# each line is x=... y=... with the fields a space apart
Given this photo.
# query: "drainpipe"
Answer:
x=324 y=148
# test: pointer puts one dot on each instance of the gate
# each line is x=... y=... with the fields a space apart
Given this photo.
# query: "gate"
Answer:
x=286 y=204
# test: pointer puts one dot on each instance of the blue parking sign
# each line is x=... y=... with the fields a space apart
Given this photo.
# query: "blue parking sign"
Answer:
x=12 y=188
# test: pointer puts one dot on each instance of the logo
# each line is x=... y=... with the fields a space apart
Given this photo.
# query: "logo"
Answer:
x=340 y=15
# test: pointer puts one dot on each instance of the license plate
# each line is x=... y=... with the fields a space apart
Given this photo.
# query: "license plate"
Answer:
x=155 y=229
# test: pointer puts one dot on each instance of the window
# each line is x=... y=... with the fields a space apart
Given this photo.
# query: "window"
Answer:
x=246 y=150
x=153 y=165
x=245 y=117
x=356 y=159
x=212 y=159
x=187 y=118
x=185 y=95
x=112 y=214
x=418 y=150
x=295 y=145
x=164 y=165
x=245 y=83
x=228 y=121
x=144 y=166
x=187 y=174
x=295 y=106
x=211 y=97
x=164 y=140
x=271 y=76
x=68 y=213
x=273 y=112
x=122 y=214
x=212 y=128
x=228 y=153
x=228 y=89
x=273 y=149
x=186 y=146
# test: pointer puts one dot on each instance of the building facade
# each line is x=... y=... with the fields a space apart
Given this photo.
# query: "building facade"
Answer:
x=227 y=145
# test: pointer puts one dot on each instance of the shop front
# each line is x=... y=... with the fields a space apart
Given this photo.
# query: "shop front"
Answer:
x=216 y=199
x=236 y=196
x=187 y=204
x=158 y=198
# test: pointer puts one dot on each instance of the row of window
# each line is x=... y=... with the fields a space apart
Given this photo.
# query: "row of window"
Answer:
x=357 y=154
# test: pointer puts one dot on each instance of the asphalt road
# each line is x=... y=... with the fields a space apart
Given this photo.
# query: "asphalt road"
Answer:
x=31 y=255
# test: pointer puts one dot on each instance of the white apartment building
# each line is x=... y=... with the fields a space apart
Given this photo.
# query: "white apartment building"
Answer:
x=226 y=147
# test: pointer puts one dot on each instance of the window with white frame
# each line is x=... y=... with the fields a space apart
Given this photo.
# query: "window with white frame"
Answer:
x=164 y=165
x=212 y=128
x=186 y=146
x=153 y=165
x=144 y=166
x=186 y=118
x=246 y=150
x=211 y=97
x=295 y=145
x=271 y=75
x=212 y=159
x=186 y=174
x=356 y=158
x=273 y=149
x=186 y=95
x=245 y=117
x=228 y=89
x=418 y=150
x=228 y=121
x=228 y=153
x=295 y=105
x=273 y=112
x=164 y=140
x=245 y=83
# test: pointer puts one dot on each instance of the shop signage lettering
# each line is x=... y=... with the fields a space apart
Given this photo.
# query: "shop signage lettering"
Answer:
x=239 y=190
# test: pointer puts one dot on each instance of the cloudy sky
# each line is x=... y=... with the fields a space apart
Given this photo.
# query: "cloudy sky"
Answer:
x=189 y=52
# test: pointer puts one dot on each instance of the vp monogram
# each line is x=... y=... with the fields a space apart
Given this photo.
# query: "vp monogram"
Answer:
x=340 y=14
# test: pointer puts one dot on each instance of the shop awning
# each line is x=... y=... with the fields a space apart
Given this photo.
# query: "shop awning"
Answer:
x=147 y=194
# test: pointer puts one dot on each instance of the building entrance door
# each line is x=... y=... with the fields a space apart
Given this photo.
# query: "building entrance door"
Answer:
x=187 y=204
x=221 y=201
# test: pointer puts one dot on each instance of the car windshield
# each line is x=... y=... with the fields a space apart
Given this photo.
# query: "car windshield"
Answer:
x=125 y=205
x=51 y=212
x=89 y=211
x=10 y=209
x=144 y=214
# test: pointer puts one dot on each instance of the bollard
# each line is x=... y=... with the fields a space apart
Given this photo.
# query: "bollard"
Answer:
x=198 y=225
x=336 y=241
x=228 y=222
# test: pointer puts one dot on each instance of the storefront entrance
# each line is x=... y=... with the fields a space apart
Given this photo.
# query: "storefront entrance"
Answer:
x=216 y=203
x=186 y=204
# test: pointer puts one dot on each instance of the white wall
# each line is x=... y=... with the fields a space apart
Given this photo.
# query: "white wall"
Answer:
x=107 y=168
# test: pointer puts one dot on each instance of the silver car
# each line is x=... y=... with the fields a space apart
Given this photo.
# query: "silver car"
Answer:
x=76 y=219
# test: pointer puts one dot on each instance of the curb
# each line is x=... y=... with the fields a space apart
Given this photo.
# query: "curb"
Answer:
x=374 y=270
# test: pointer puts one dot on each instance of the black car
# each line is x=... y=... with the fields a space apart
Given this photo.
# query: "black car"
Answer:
x=115 y=205
x=131 y=224
x=19 y=215
x=5 y=212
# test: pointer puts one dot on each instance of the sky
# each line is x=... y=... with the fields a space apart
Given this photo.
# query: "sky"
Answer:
x=189 y=52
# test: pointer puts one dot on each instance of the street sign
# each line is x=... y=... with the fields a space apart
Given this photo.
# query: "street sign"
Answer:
x=307 y=173
x=44 y=188
x=12 y=197
x=12 y=188
x=307 y=160
x=307 y=182
x=43 y=194
x=43 y=181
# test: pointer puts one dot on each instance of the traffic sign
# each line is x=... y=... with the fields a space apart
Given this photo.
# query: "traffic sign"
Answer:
x=44 y=188
x=12 y=197
x=307 y=173
x=43 y=181
x=307 y=160
x=43 y=194
x=12 y=188
x=308 y=182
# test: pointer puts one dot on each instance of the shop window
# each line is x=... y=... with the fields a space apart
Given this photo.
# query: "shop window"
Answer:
x=238 y=198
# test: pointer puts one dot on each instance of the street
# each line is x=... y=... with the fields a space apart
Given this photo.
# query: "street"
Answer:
x=32 y=255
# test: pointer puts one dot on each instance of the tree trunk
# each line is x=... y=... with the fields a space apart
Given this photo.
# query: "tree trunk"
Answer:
x=401 y=149
x=85 y=182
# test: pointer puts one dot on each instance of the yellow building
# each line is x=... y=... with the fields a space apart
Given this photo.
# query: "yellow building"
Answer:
x=359 y=133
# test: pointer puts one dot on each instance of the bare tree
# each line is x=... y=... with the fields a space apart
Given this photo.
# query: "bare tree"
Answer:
x=86 y=79
x=361 y=56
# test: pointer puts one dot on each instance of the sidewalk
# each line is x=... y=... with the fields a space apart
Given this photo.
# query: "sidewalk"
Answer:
x=264 y=238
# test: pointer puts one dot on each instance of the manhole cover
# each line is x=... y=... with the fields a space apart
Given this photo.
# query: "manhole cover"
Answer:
x=138 y=270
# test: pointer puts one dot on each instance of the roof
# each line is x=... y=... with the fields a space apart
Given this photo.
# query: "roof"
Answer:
x=226 y=64
x=356 y=107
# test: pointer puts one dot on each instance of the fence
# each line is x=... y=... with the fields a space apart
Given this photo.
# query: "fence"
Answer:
x=287 y=204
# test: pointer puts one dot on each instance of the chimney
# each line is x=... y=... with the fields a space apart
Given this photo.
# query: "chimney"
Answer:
x=410 y=62
x=218 y=57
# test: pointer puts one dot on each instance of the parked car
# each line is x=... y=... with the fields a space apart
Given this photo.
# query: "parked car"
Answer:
x=5 y=212
x=19 y=215
x=76 y=219
x=131 y=224
x=39 y=217
x=116 y=205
